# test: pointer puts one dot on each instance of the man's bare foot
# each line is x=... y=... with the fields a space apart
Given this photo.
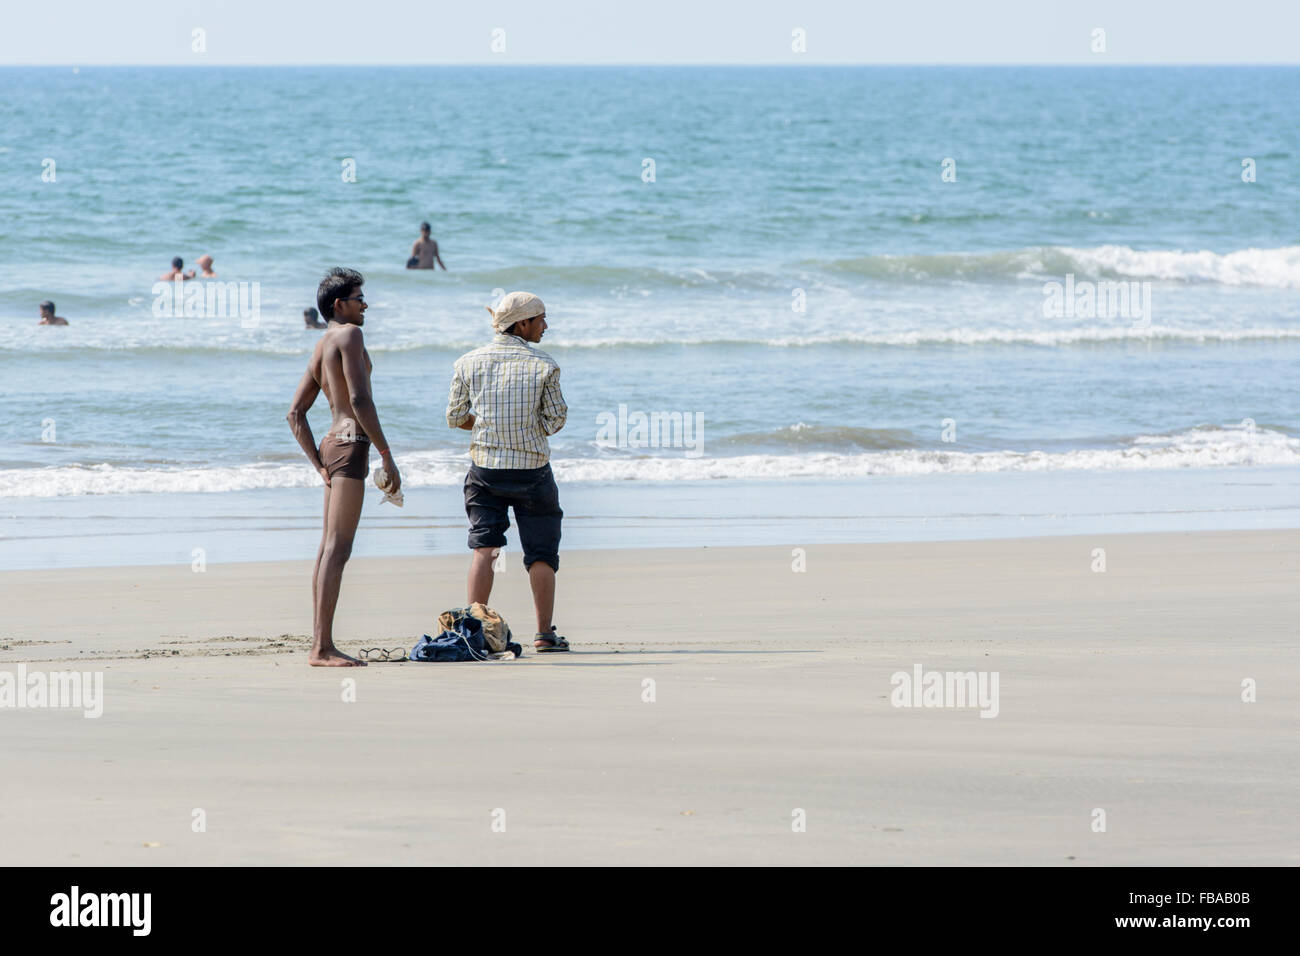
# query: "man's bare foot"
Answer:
x=333 y=658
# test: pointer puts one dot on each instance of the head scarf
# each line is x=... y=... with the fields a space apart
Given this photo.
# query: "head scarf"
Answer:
x=515 y=307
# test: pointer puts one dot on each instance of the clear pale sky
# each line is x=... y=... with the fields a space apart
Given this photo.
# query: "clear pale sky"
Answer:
x=250 y=32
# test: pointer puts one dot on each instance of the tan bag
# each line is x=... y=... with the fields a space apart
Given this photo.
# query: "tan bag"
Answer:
x=496 y=632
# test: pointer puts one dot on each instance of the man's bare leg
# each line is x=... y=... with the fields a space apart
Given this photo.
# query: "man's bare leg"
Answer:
x=315 y=571
x=346 y=495
x=541 y=576
x=481 y=575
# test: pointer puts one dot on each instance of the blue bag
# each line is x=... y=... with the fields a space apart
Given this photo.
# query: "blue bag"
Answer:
x=461 y=640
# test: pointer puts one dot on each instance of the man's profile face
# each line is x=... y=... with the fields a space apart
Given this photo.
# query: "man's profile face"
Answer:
x=351 y=308
x=530 y=330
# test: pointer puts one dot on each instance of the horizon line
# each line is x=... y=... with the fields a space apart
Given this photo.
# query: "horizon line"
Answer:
x=788 y=65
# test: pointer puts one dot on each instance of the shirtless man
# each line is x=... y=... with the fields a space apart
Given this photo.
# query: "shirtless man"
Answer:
x=205 y=263
x=425 y=251
x=340 y=367
x=178 y=266
x=47 y=315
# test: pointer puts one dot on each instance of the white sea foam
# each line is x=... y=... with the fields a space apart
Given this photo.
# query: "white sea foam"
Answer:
x=1275 y=268
x=1046 y=337
x=1207 y=447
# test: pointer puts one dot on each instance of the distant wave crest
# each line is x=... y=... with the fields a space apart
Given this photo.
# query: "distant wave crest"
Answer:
x=1273 y=268
x=1092 y=334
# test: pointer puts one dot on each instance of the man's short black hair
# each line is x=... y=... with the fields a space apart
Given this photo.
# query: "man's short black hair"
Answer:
x=339 y=283
x=310 y=314
x=178 y=262
x=425 y=227
x=47 y=306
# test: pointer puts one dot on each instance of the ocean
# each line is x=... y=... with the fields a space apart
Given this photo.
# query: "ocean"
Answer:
x=790 y=304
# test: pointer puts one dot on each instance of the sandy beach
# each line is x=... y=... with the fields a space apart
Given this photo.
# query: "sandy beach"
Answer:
x=1118 y=690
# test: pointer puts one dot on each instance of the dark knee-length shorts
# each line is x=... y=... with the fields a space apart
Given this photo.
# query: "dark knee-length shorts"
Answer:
x=490 y=492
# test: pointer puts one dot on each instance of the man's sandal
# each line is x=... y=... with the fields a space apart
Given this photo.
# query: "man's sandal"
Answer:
x=549 y=643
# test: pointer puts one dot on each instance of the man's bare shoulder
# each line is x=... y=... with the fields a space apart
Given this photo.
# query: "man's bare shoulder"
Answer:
x=346 y=337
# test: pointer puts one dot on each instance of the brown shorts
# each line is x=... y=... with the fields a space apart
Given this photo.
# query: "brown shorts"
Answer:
x=345 y=459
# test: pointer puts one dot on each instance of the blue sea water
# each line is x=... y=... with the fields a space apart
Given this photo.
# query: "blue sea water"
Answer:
x=844 y=273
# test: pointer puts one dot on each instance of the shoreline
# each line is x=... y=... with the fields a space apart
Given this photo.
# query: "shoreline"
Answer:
x=284 y=524
x=594 y=556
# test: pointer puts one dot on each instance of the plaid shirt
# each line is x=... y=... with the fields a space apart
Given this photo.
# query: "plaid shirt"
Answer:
x=513 y=391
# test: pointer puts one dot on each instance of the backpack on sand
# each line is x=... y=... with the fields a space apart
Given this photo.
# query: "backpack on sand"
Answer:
x=474 y=633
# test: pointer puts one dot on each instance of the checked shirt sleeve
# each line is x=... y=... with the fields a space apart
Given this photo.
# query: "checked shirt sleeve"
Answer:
x=553 y=411
x=457 y=400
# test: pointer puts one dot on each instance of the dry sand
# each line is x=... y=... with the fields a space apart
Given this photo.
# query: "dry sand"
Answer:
x=1119 y=690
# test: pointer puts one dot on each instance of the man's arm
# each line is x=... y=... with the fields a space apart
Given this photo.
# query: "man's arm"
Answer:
x=437 y=258
x=458 y=413
x=415 y=247
x=303 y=399
x=352 y=350
x=553 y=411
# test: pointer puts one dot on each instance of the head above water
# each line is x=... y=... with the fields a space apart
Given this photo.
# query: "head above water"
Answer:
x=522 y=314
x=178 y=263
x=46 y=307
x=205 y=261
x=424 y=228
x=339 y=296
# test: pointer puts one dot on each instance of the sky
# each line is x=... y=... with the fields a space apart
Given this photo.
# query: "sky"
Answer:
x=270 y=32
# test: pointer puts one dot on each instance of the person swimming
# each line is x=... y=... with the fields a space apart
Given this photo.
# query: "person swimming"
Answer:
x=205 y=263
x=311 y=320
x=424 y=253
x=178 y=267
x=47 y=315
